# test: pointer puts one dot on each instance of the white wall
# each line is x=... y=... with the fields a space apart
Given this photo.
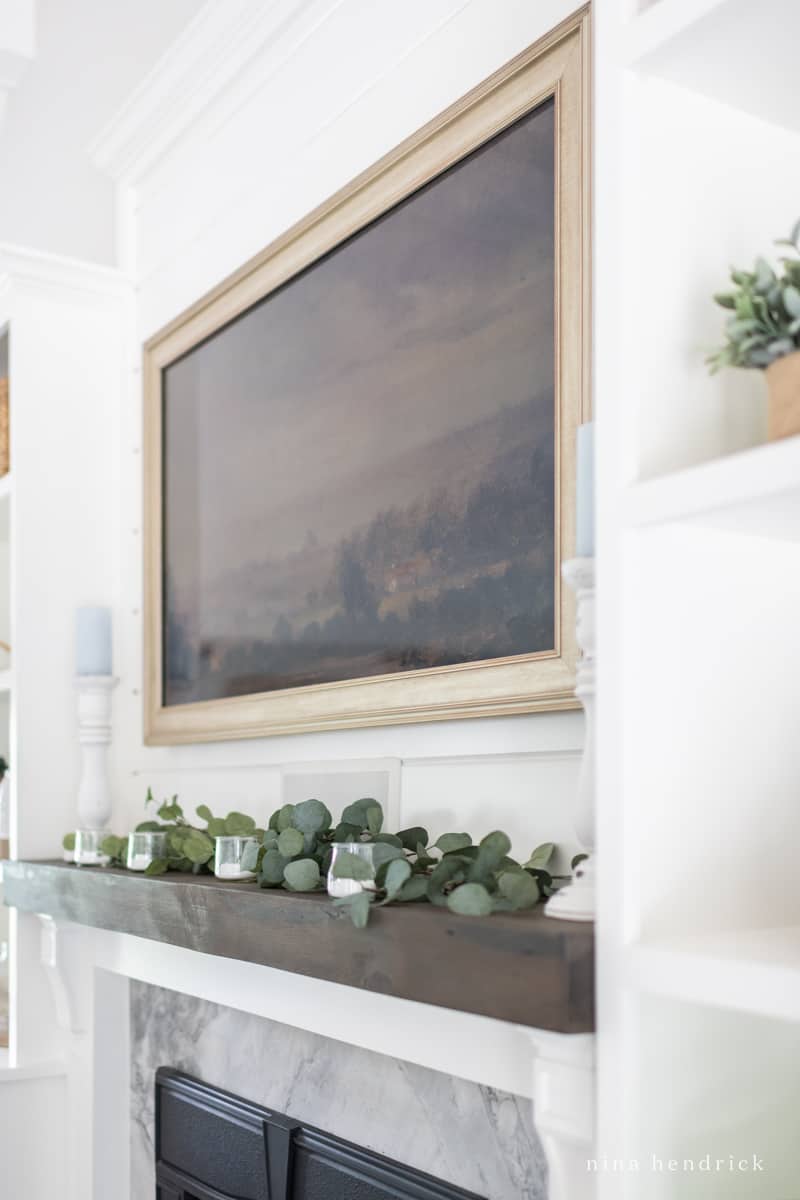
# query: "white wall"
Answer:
x=335 y=87
x=89 y=55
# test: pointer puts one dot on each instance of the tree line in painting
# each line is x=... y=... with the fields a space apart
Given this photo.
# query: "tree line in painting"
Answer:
x=453 y=578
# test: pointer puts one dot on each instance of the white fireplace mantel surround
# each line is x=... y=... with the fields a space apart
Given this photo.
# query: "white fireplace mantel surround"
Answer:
x=88 y=972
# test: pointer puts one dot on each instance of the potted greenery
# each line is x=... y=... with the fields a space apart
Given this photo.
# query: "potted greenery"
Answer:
x=763 y=332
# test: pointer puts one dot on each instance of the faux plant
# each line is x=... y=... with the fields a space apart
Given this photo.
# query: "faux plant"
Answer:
x=189 y=848
x=764 y=304
x=294 y=852
x=470 y=879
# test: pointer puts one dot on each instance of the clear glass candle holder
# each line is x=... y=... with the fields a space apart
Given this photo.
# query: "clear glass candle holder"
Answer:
x=143 y=848
x=350 y=887
x=87 y=848
x=228 y=855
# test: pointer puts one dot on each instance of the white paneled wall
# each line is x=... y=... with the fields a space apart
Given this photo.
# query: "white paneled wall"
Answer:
x=210 y=175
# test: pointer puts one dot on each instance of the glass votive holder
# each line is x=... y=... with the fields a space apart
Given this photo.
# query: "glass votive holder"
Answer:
x=87 y=848
x=143 y=848
x=350 y=887
x=228 y=855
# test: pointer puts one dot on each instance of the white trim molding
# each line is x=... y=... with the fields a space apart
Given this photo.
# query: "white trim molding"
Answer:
x=23 y=265
x=209 y=56
x=563 y=1110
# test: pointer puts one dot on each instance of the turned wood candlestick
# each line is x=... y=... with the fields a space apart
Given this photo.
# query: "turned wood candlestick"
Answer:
x=576 y=901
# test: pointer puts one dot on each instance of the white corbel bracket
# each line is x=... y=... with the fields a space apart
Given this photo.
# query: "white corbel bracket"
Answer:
x=563 y=1110
x=63 y=956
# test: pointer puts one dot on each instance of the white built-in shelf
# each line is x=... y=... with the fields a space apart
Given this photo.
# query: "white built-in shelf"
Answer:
x=756 y=971
x=739 y=52
x=756 y=493
x=5 y=682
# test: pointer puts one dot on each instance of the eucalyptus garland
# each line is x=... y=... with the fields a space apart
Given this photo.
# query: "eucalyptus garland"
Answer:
x=294 y=852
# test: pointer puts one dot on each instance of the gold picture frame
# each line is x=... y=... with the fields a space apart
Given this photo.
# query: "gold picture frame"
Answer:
x=557 y=66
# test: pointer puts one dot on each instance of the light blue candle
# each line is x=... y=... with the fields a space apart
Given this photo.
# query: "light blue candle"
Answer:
x=93 y=641
x=584 y=491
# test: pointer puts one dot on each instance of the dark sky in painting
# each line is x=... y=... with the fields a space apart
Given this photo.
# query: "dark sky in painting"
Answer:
x=414 y=358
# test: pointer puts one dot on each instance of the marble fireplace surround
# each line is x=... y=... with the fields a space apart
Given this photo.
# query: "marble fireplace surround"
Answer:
x=455 y=1086
x=465 y=1133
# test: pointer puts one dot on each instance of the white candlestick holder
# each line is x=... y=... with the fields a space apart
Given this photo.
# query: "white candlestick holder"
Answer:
x=94 y=735
x=576 y=901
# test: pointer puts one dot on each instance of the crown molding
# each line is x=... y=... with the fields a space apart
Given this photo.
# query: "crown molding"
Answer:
x=208 y=58
x=19 y=264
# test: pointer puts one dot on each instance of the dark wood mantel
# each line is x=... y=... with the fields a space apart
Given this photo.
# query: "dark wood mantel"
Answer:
x=520 y=967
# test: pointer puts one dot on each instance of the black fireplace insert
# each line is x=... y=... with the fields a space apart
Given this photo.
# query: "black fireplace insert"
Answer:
x=211 y=1145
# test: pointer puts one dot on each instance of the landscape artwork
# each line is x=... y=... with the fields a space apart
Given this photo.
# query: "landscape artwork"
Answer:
x=359 y=472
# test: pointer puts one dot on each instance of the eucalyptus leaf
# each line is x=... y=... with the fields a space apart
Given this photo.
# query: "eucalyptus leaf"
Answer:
x=157 y=867
x=415 y=888
x=374 y=819
x=290 y=843
x=544 y=879
x=357 y=813
x=398 y=872
x=284 y=817
x=311 y=816
x=176 y=839
x=470 y=900
x=390 y=839
x=383 y=852
x=171 y=812
x=148 y=827
x=198 y=847
x=113 y=846
x=413 y=837
x=345 y=832
x=302 y=875
x=250 y=856
x=577 y=859
x=449 y=870
x=423 y=858
x=351 y=866
x=204 y=812
x=452 y=841
x=520 y=889
x=216 y=827
x=68 y=841
x=239 y=825
x=491 y=852
x=272 y=867
x=358 y=907
x=541 y=855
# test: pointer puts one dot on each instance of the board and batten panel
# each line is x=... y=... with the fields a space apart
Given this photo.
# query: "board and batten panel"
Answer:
x=337 y=87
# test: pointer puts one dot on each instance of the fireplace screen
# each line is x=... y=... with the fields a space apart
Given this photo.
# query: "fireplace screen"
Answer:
x=211 y=1145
